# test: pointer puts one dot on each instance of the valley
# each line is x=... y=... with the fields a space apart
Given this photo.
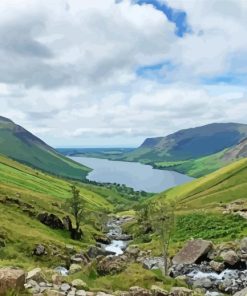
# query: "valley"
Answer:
x=120 y=247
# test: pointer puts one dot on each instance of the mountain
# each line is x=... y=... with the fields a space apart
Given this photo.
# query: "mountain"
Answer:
x=19 y=144
x=194 y=151
x=191 y=143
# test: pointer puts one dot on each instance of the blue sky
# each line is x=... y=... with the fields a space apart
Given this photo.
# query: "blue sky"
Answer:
x=115 y=72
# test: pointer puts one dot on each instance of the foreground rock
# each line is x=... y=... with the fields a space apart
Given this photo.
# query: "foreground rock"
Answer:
x=192 y=252
x=11 y=279
x=111 y=265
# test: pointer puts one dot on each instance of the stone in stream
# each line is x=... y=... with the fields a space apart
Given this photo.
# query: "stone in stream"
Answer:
x=11 y=279
x=241 y=293
x=230 y=257
x=192 y=252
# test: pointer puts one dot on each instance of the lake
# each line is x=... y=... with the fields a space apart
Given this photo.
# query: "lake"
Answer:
x=132 y=174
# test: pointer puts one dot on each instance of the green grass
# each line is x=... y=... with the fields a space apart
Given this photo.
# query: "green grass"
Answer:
x=22 y=146
x=222 y=186
x=134 y=275
x=43 y=192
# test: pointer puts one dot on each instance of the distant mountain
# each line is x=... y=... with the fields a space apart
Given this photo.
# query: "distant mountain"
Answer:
x=19 y=144
x=194 y=151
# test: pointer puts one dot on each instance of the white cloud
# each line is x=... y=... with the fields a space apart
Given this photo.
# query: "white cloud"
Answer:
x=68 y=68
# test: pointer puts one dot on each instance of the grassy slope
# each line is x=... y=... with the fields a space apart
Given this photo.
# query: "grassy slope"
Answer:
x=199 y=209
x=22 y=146
x=45 y=193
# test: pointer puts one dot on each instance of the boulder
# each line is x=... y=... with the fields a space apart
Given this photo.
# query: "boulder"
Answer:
x=74 y=268
x=79 y=284
x=243 y=245
x=50 y=220
x=36 y=275
x=39 y=250
x=230 y=257
x=80 y=293
x=203 y=283
x=180 y=291
x=111 y=265
x=54 y=293
x=158 y=291
x=192 y=252
x=241 y=293
x=11 y=279
x=217 y=266
x=138 y=291
x=94 y=251
x=65 y=287
x=132 y=251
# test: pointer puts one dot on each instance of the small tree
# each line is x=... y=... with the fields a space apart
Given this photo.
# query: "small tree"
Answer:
x=162 y=217
x=76 y=207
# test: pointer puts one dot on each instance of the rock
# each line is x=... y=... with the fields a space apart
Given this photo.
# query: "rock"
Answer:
x=11 y=279
x=39 y=250
x=181 y=278
x=54 y=293
x=192 y=252
x=230 y=257
x=93 y=252
x=111 y=265
x=50 y=220
x=79 y=284
x=67 y=223
x=180 y=291
x=103 y=294
x=157 y=291
x=203 y=283
x=243 y=245
x=36 y=275
x=65 y=287
x=56 y=279
x=80 y=259
x=74 y=268
x=132 y=251
x=241 y=293
x=70 y=249
x=217 y=266
x=102 y=239
x=80 y=293
x=138 y=291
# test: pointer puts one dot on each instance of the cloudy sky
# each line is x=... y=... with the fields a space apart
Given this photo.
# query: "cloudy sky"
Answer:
x=110 y=73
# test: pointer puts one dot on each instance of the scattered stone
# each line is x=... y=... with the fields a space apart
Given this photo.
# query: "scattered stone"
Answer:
x=230 y=257
x=158 y=291
x=56 y=279
x=138 y=291
x=192 y=252
x=65 y=287
x=36 y=275
x=203 y=283
x=54 y=293
x=180 y=291
x=80 y=293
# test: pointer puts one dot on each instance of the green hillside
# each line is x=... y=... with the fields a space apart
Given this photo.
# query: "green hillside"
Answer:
x=17 y=143
x=223 y=186
x=24 y=193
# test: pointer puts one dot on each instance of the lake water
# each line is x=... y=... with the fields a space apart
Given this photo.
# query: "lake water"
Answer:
x=132 y=174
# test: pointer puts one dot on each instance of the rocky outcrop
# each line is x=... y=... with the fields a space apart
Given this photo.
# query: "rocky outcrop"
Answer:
x=111 y=265
x=11 y=279
x=192 y=252
x=50 y=220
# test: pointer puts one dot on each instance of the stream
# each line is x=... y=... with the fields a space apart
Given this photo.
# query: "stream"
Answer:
x=119 y=240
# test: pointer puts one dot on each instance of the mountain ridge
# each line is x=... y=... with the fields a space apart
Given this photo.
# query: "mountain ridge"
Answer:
x=18 y=143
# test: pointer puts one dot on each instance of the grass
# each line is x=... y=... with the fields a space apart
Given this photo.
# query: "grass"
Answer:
x=134 y=275
x=39 y=192
x=22 y=146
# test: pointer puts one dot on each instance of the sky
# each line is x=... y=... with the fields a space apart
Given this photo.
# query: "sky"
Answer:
x=109 y=73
